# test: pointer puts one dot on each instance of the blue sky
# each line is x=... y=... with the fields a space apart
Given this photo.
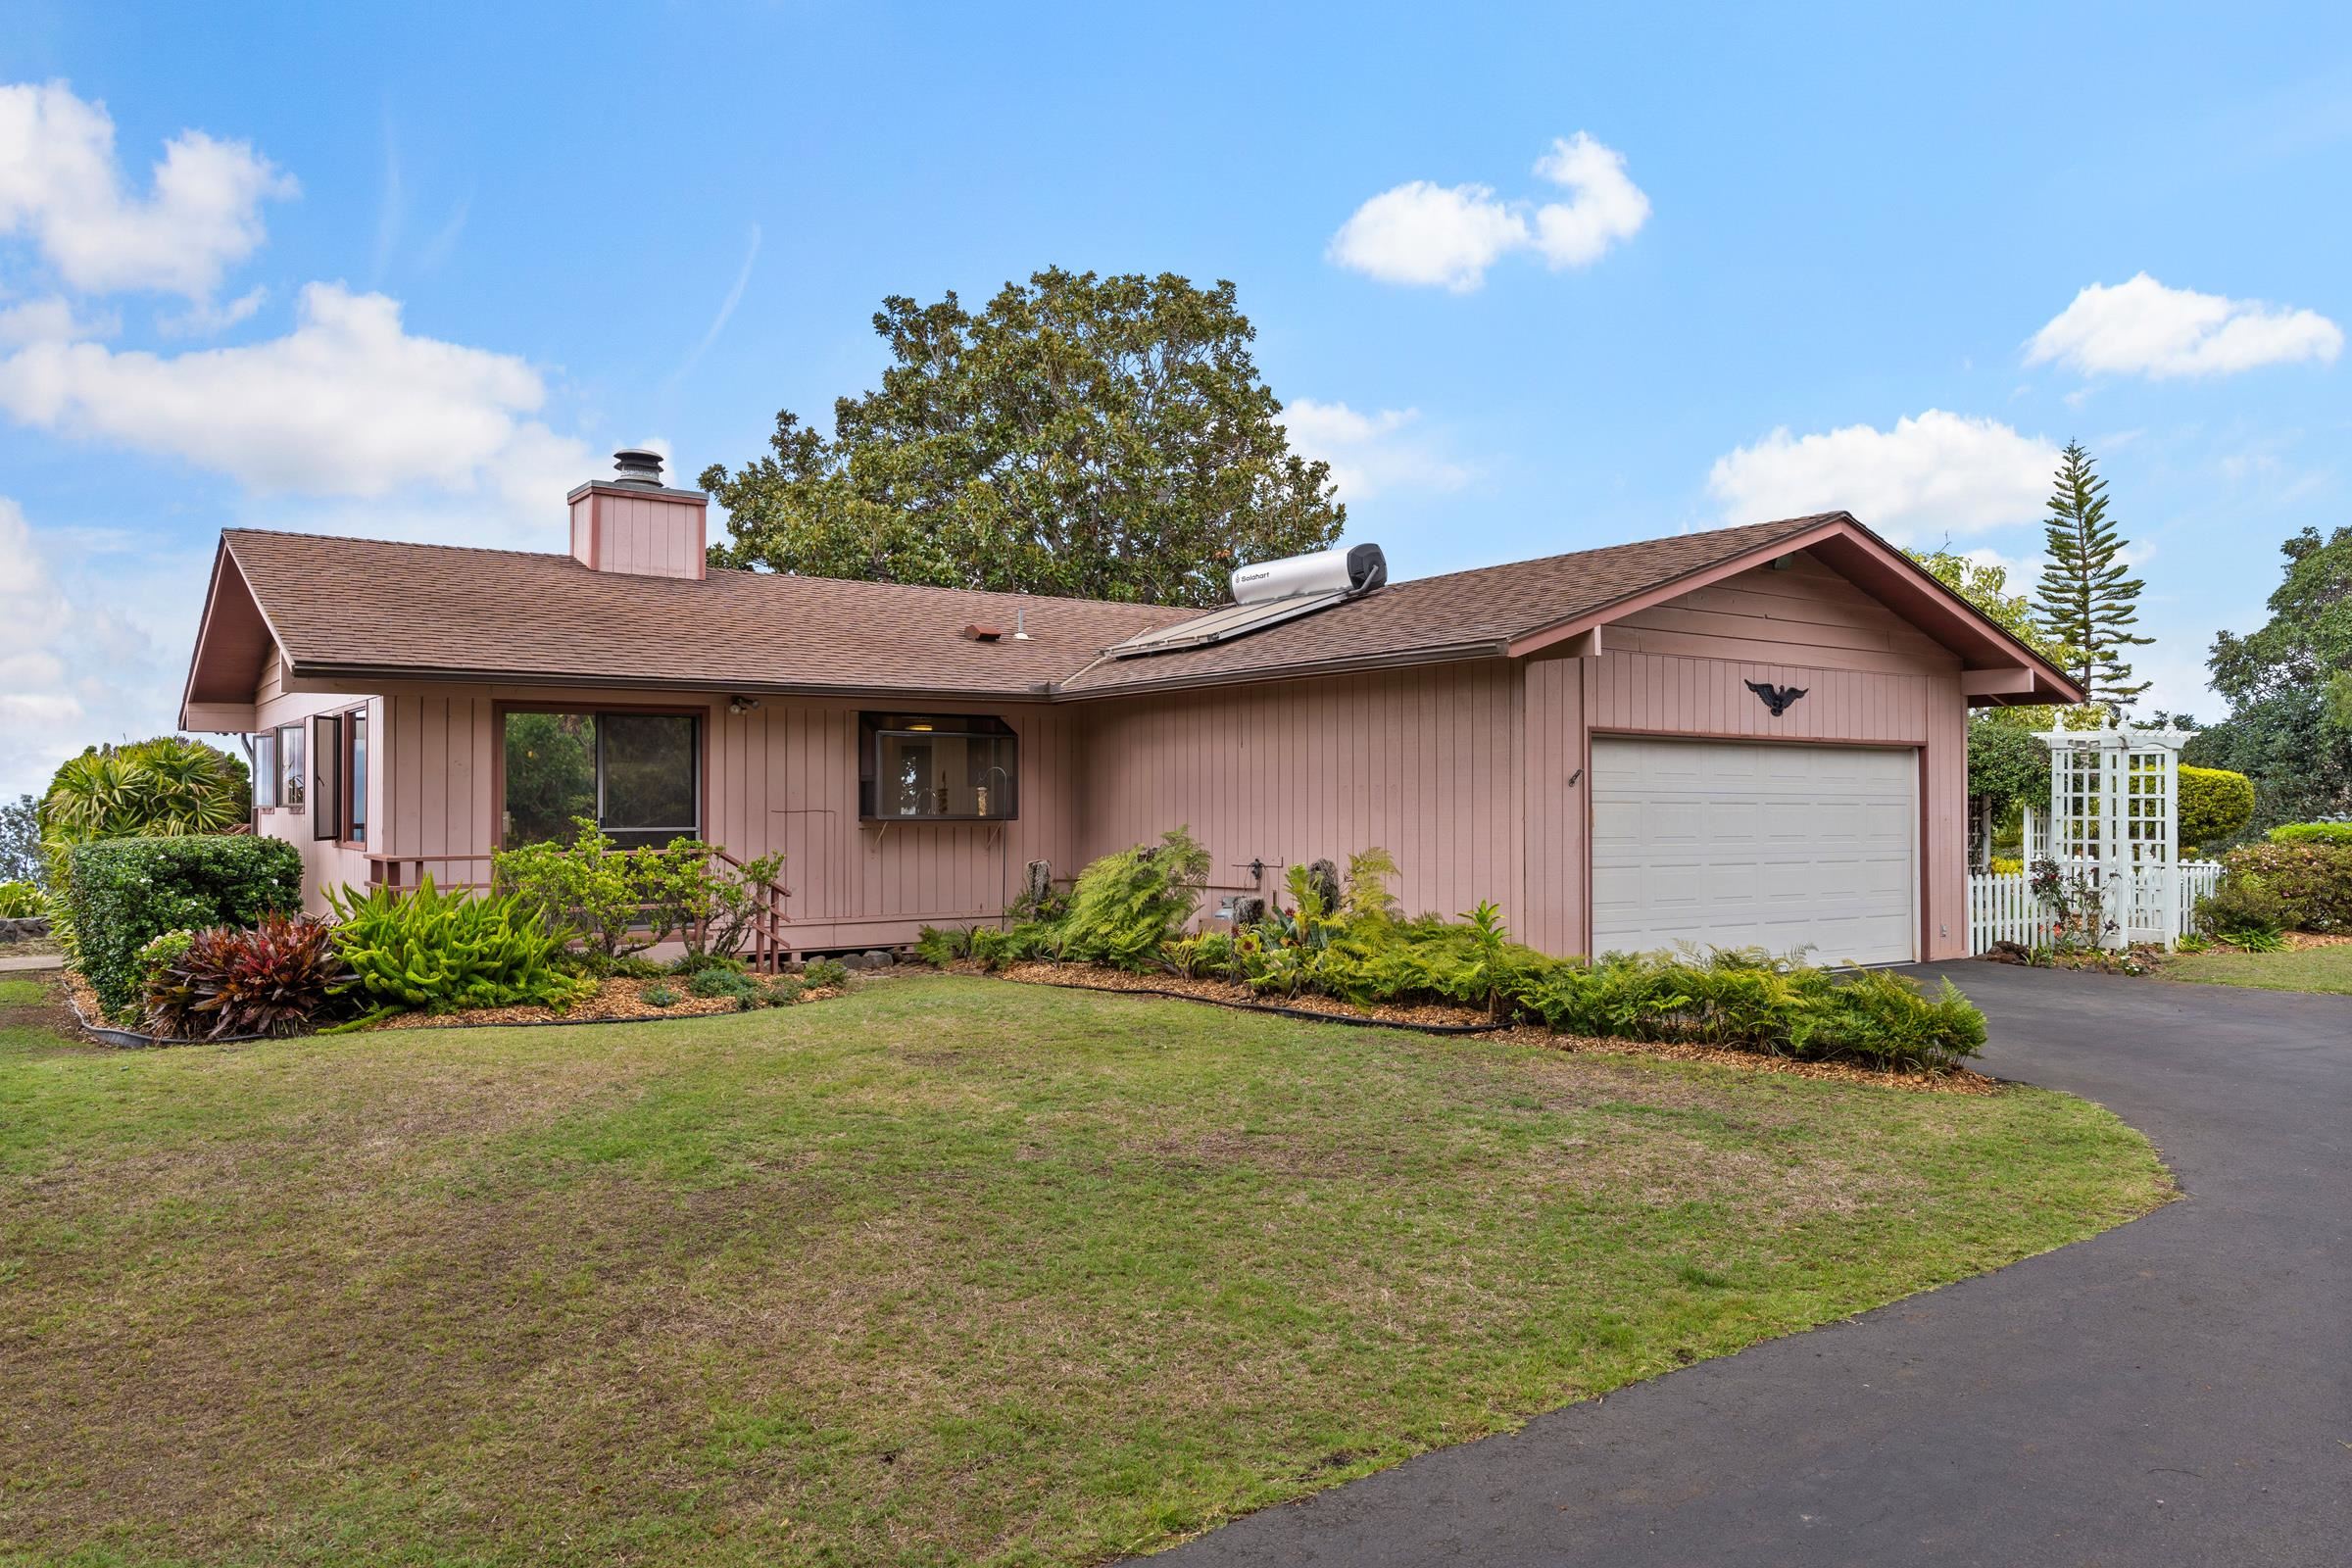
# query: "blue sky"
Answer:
x=1534 y=281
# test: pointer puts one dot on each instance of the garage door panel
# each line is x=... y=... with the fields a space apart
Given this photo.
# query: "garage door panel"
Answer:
x=1731 y=844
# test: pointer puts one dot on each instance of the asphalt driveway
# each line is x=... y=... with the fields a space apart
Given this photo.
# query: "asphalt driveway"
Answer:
x=2175 y=1392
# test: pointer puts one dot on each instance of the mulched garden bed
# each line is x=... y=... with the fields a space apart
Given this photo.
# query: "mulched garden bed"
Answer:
x=1470 y=1021
x=617 y=1000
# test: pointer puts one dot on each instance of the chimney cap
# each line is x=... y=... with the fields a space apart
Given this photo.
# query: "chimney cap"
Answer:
x=638 y=468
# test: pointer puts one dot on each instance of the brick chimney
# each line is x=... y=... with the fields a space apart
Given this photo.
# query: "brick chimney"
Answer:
x=633 y=522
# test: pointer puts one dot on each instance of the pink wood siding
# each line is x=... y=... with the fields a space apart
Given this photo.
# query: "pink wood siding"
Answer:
x=324 y=863
x=649 y=535
x=781 y=776
x=1682 y=668
x=583 y=530
x=1462 y=772
x=1421 y=761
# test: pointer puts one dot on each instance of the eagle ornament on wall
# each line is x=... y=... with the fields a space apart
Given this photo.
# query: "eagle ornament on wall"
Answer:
x=1776 y=698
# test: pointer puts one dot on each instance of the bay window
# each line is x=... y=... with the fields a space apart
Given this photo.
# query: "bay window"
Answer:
x=937 y=767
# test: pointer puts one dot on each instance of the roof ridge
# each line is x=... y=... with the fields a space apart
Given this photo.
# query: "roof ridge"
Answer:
x=563 y=556
x=1780 y=524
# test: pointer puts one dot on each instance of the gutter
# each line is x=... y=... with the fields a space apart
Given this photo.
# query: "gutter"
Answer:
x=355 y=677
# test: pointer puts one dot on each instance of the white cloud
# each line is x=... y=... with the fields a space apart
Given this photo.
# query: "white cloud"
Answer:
x=1369 y=453
x=60 y=184
x=51 y=318
x=348 y=404
x=1932 y=474
x=1429 y=235
x=1604 y=206
x=93 y=635
x=2141 y=328
x=1447 y=235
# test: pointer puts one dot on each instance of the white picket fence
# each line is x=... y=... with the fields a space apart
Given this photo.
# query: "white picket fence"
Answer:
x=2001 y=907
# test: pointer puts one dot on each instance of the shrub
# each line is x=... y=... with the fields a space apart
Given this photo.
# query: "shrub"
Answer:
x=2311 y=833
x=20 y=900
x=725 y=983
x=945 y=947
x=120 y=893
x=1018 y=944
x=2313 y=881
x=826 y=974
x=274 y=979
x=2241 y=906
x=2214 y=805
x=658 y=997
x=1367 y=897
x=784 y=989
x=1749 y=1001
x=441 y=952
x=2005 y=865
x=1128 y=906
x=591 y=890
x=694 y=963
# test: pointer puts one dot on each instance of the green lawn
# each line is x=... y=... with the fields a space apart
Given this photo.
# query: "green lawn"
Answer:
x=947 y=1270
x=2311 y=969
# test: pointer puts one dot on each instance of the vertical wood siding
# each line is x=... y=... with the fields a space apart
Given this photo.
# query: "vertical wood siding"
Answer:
x=1422 y=761
x=325 y=864
x=783 y=776
x=649 y=535
x=1461 y=771
x=1682 y=668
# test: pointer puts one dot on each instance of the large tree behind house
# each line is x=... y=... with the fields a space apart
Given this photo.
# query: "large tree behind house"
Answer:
x=1104 y=437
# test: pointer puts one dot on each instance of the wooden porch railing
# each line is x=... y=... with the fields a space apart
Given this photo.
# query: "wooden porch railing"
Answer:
x=767 y=950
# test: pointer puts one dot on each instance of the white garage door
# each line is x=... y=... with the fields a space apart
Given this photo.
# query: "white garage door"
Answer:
x=1732 y=845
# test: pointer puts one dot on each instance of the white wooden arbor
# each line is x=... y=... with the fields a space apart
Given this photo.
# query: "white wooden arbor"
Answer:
x=2115 y=817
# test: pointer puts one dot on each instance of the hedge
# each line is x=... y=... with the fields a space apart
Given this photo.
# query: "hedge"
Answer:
x=2314 y=881
x=2311 y=833
x=122 y=893
x=2215 y=804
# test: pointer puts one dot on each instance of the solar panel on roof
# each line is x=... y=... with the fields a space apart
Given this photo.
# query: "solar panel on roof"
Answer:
x=1221 y=624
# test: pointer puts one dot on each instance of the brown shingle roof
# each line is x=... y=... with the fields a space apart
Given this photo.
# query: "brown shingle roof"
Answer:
x=366 y=605
x=1461 y=609
x=370 y=607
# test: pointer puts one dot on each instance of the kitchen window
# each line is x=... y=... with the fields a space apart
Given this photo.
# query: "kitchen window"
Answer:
x=937 y=767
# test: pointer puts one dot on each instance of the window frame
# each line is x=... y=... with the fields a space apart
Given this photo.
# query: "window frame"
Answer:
x=353 y=803
x=703 y=726
x=325 y=794
x=873 y=728
x=277 y=787
x=265 y=779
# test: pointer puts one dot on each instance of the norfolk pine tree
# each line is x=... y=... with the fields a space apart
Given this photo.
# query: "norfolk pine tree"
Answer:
x=2085 y=601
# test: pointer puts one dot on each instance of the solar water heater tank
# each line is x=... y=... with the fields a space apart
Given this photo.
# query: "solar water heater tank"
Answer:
x=1357 y=570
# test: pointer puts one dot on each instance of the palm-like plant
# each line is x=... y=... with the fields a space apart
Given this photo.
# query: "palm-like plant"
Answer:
x=162 y=788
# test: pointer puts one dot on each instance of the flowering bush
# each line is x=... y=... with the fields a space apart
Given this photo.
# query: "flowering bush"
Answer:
x=2077 y=908
x=2312 y=881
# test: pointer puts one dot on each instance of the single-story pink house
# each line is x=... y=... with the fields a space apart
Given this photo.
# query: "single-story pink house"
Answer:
x=1746 y=736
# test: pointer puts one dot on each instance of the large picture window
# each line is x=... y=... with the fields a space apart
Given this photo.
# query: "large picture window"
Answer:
x=937 y=767
x=638 y=777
